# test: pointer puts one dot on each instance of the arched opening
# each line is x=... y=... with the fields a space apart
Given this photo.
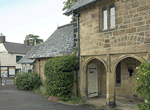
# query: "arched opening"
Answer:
x=125 y=77
x=96 y=78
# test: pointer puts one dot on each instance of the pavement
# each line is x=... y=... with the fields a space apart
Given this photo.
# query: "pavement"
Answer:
x=13 y=99
x=100 y=103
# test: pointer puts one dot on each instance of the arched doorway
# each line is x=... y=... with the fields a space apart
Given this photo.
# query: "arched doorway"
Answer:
x=125 y=78
x=96 y=78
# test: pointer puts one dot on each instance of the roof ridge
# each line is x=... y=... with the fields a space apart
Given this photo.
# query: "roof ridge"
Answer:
x=65 y=25
x=13 y=42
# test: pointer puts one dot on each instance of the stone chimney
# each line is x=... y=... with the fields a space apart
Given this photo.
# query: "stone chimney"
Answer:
x=27 y=42
x=2 y=38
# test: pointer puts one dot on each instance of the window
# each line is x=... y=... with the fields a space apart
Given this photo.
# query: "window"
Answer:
x=104 y=18
x=18 y=58
x=107 y=17
x=112 y=15
x=118 y=73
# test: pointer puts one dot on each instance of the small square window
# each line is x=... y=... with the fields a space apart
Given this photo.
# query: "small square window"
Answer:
x=18 y=58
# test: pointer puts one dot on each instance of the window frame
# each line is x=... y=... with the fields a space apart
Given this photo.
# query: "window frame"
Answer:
x=108 y=17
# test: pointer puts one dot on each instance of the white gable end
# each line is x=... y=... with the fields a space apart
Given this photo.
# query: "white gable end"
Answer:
x=2 y=48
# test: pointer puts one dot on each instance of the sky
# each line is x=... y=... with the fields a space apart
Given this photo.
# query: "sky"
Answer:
x=19 y=18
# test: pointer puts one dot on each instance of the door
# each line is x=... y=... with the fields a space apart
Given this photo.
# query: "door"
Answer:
x=92 y=80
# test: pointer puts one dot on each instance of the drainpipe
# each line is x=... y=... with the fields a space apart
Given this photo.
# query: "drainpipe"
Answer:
x=78 y=15
x=21 y=68
x=39 y=68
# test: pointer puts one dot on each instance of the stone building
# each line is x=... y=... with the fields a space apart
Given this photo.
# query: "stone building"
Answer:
x=26 y=63
x=113 y=37
x=59 y=43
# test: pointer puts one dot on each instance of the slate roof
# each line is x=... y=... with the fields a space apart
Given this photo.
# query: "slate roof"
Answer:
x=16 y=48
x=26 y=59
x=78 y=4
x=59 y=43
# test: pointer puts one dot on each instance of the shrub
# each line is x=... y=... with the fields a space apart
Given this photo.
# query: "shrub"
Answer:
x=143 y=89
x=59 y=76
x=27 y=81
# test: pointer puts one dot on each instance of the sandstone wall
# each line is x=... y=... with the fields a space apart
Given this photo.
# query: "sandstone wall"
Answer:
x=125 y=89
x=132 y=26
x=42 y=64
x=130 y=37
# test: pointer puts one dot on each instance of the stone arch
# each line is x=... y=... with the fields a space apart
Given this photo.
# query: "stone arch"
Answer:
x=84 y=85
x=127 y=40
x=114 y=65
x=92 y=58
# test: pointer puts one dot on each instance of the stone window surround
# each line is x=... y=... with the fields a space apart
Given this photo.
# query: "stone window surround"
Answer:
x=108 y=18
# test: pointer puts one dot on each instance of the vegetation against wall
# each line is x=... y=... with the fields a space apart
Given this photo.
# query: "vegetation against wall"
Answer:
x=59 y=76
x=27 y=81
x=143 y=77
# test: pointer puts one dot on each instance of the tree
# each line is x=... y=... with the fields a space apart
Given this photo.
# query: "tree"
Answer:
x=143 y=78
x=67 y=5
x=34 y=38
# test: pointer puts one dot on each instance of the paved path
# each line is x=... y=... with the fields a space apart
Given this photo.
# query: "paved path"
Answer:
x=13 y=99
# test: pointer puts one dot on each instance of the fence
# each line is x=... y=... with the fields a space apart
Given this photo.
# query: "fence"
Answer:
x=6 y=80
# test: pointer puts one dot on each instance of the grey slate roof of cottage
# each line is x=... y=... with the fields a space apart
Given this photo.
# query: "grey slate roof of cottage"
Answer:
x=16 y=48
x=59 y=43
x=78 y=4
x=26 y=59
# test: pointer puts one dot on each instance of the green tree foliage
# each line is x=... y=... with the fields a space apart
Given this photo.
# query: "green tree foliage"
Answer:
x=59 y=76
x=34 y=38
x=68 y=4
x=27 y=81
x=143 y=78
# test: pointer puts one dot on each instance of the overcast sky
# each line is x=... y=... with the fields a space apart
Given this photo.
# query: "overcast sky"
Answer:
x=19 y=18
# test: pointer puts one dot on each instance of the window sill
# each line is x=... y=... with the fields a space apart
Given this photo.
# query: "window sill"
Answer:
x=106 y=30
x=118 y=85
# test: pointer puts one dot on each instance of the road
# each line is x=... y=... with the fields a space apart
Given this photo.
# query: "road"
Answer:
x=13 y=99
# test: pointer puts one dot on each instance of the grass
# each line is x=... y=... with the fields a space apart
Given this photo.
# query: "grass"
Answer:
x=76 y=100
x=38 y=91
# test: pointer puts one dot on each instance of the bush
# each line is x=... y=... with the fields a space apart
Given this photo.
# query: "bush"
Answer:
x=143 y=89
x=59 y=76
x=27 y=81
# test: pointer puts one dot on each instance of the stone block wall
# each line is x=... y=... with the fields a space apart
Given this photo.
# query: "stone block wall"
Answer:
x=42 y=64
x=125 y=89
x=132 y=25
x=130 y=36
x=36 y=66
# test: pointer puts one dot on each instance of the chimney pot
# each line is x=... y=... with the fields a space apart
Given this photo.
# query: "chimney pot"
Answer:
x=26 y=41
x=2 y=38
